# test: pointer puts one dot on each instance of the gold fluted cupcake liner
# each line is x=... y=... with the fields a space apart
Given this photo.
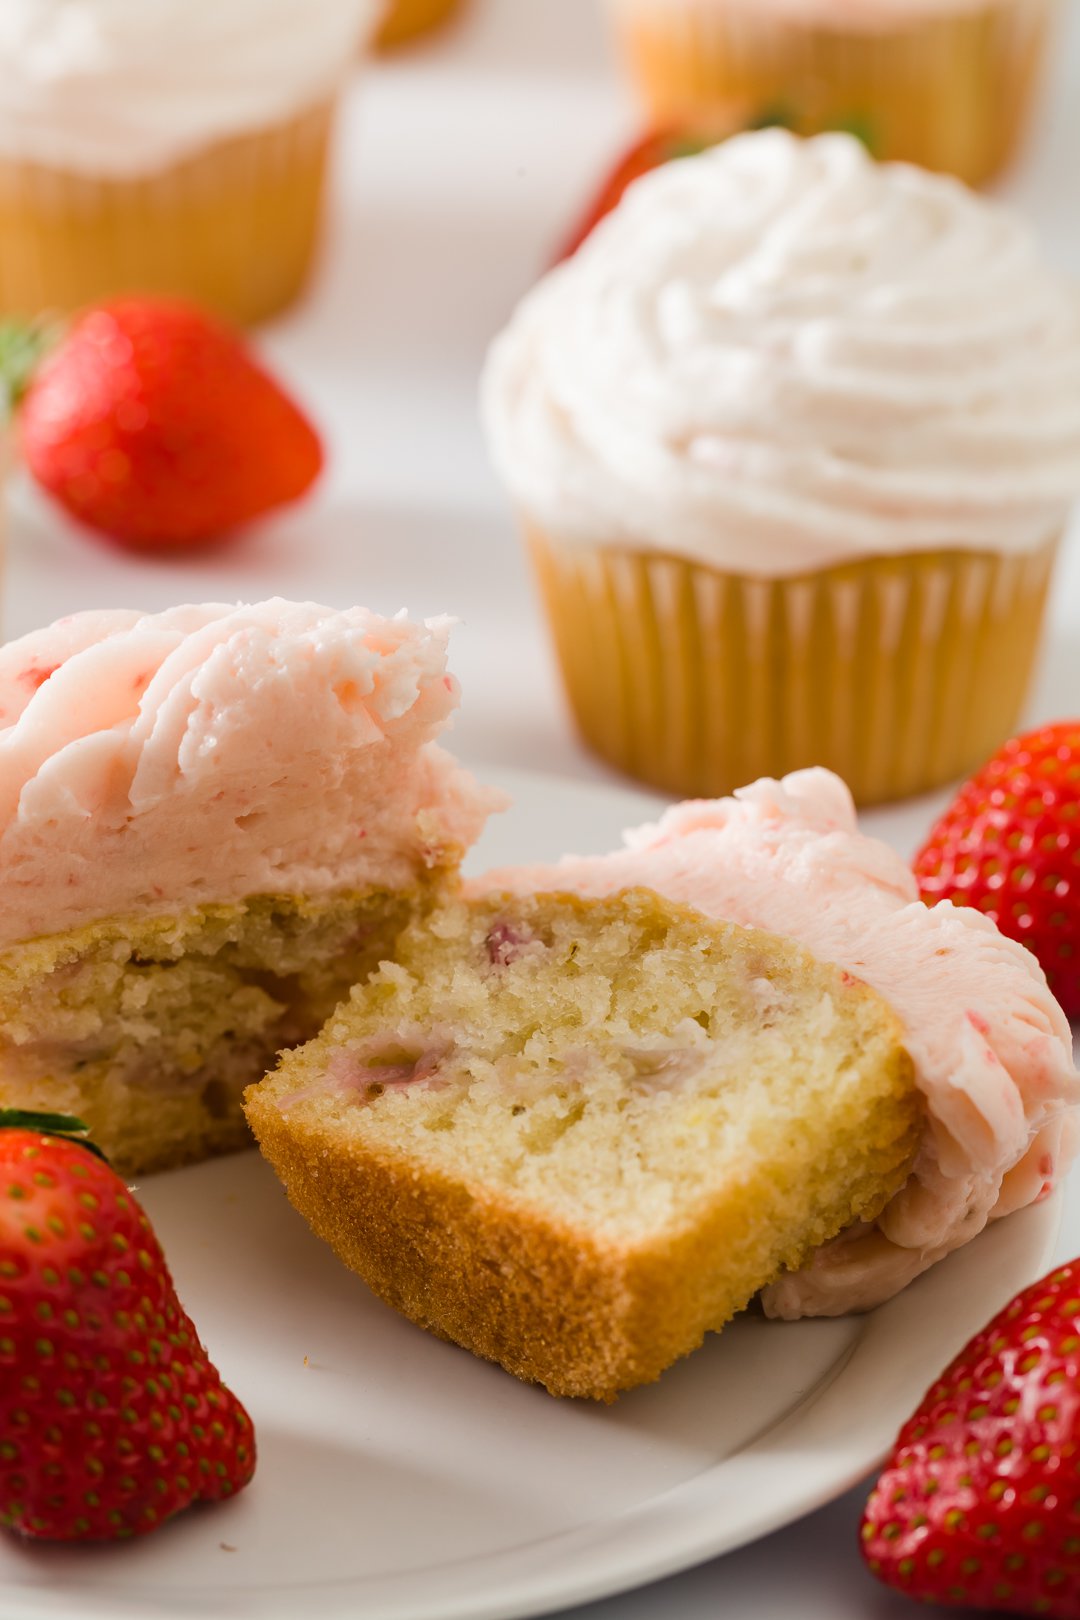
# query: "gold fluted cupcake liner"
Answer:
x=233 y=228
x=900 y=673
x=946 y=90
x=404 y=19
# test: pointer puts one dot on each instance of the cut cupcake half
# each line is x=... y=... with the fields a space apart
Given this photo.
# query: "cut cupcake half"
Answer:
x=576 y=1135
x=213 y=821
x=992 y=1050
x=592 y=1108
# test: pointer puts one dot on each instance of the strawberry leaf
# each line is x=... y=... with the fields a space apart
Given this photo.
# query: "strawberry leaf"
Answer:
x=65 y=1125
x=22 y=346
x=776 y=115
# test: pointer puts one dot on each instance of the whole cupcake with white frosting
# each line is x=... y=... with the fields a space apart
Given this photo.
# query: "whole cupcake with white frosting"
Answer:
x=168 y=146
x=947 y=84
x=794 y=437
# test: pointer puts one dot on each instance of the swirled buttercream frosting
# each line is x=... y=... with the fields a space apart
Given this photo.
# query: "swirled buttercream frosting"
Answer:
x=158 y=762
x=991 y=1048
x=121 y=87
x=779 y=355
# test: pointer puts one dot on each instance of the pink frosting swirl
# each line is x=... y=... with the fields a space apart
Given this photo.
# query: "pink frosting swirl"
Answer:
x=161 y=761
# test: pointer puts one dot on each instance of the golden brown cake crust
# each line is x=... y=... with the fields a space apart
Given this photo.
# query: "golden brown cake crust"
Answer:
x=551 y=1305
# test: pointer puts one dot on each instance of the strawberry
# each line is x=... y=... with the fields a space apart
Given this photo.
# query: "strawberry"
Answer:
x=1010 y=844
x=662 y=146
x=658 y=147
x=979 y=1504
x=111 y=1417
x=152 y=423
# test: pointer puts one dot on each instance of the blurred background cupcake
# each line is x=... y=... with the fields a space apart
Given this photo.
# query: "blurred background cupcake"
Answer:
x=405 y=20
x=943 y=83
x=793 y=437
x=166 y=146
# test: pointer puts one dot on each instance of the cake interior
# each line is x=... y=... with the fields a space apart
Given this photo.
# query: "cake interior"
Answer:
x=149 y=1028
x=576 y=1135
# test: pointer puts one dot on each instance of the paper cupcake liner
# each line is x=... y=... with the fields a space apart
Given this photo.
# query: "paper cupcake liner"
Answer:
x=233 y=227
x=404 y=19
x=899 y=673
x=945 y=91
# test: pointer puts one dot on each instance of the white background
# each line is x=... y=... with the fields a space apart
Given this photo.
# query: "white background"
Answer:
x=459 y=168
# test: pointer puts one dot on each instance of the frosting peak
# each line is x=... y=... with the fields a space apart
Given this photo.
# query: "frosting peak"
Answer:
x=161 y=761
x=780 y=355
x=991 y=1048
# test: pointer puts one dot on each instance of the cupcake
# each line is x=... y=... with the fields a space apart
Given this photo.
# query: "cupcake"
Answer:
x=177 y=147
x=793 y=438
x=943 y=83
x=404 y=20
x=592 y=1108
x=991 y=1049
x=213 y=820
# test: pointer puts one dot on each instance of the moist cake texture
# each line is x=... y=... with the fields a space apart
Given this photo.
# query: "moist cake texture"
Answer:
x=992 y=1050
x=575 y=1136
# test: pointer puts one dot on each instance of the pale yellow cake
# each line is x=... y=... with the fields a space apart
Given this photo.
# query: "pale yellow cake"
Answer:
x=574 y=1136
x=148 y=1028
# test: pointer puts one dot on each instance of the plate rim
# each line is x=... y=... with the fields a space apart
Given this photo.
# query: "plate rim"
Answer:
x=692 y=1532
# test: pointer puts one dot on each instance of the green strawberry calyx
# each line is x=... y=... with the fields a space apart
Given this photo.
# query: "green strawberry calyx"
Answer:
x=782 y=115
x=23 y=345
x=65 y=1126
x=681 y=146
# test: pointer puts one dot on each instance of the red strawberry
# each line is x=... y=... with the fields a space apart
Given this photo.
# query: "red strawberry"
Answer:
x=979 y=1504
x=111 y=1417
x=151 y=422
x=659 y=147
x=663 y=145
x=1010 y=845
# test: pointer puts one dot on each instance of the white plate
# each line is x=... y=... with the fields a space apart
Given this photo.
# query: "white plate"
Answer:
x=401 y=1479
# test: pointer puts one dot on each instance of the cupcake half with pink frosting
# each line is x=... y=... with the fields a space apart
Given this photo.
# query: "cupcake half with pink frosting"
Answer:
x=212 y=821
x=992 y=1051
x=793 y=438
x=591 y=1109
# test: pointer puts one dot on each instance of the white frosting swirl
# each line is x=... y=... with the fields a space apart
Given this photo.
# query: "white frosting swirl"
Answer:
x=779 y=356
x=123 y=87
